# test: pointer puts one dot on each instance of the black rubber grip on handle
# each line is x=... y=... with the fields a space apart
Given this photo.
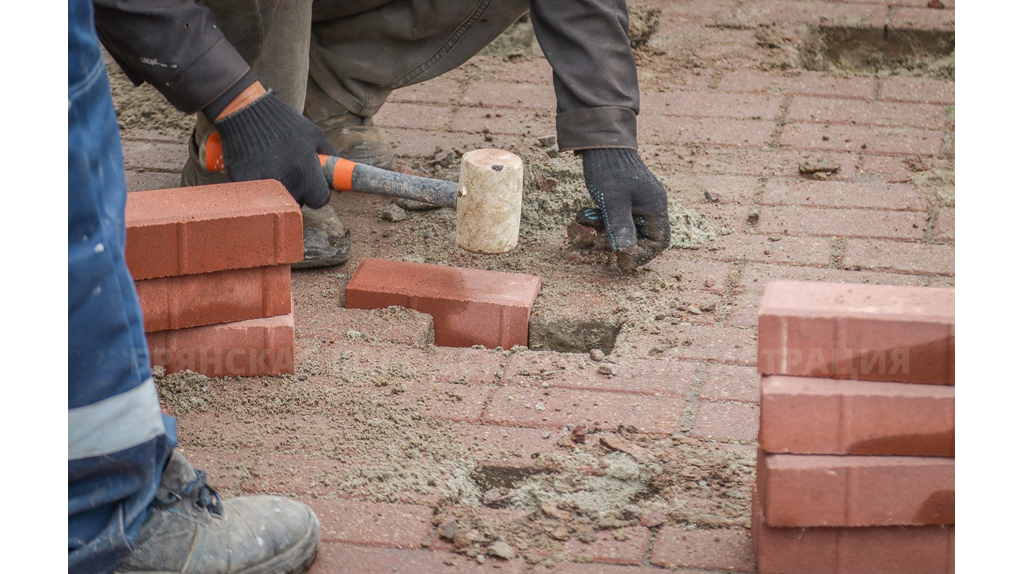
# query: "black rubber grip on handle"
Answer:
x=371 y=179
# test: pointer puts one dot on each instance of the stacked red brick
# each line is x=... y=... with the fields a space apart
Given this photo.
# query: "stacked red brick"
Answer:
x=212 y=267
x=856 y=448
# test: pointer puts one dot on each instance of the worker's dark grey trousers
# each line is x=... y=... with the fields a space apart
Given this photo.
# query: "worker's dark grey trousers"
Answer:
x=354 y=53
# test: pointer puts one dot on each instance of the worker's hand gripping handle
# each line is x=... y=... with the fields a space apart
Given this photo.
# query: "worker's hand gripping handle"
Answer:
x=345 y=175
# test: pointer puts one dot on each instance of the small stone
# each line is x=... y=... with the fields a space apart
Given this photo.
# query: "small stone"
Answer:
x=711 y=196
x=819 y=164
x=502 y=550
x=353 y=334
x=413 y=205
x=552 y=151
x=585 y=558
x=935 y=4
x=559 y=533
x=539 y=406
x=547 y=141
x=481 y=558
x=596 y=355
x=394 y=213
x=544 y=385
x=587 y=536
x=707 y=306
x=449 y=531
x=546 y=435
x=554 y=512
x=606 y=370
x=709 y=282
x=630 y=512
x=579 y=434
x=694 y=310
x=581 y=236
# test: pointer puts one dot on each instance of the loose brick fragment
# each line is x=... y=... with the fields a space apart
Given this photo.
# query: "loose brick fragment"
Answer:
x=208 y=228
x=469 y=306
x=875 y=550
x=867 y=332
x=823 y=490
x=241 y=349
x=213 y=298
x=805 y=415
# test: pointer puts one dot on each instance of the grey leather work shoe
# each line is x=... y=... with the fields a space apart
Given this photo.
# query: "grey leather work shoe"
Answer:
x=358 y=140
x=325 y=240
x=190 y=529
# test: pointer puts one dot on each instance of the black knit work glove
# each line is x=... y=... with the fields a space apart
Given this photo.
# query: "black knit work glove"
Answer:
x=269 y=140
x=632 y=205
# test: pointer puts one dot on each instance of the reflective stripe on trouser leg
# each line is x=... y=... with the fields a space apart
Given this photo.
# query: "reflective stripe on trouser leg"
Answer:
x=109 y=491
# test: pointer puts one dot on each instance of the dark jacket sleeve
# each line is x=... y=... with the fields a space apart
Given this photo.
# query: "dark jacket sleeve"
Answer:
x=174 y=45
x=587 y=44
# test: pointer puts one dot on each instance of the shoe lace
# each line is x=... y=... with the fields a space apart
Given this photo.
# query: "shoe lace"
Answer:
x=204 y=496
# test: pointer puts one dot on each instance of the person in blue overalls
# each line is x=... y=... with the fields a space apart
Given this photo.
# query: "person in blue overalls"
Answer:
x=134 y=503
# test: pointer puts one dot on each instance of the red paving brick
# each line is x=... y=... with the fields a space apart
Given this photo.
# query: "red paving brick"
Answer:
x=922 y=18
x=373 y=524
x=899 y=256
x=805 y=84
x=868 y=332
x=509 y=95
x=823 y=490
x=218 y=297
x=860 y=112
x=436 y=91
x=892 y=169
x=726 y=421
x=211 y=228
x=469 y=306
x=348 y=559
x=909 y=89
x=722 y=549
x=692 y=342
x=567 y=371
x=463 y=403
x=884 y=140
x=882 y=549
x=756 y=277
x=417 y=116
x=578 y=568
x=240 y=349
x=945 y=224
x=842 y=222
x=805 y=415
x=519 y=122
x=787 y=250
x=731 y=383
x=895 y=196
x=559 y=408
x=608 y=549
x=710 y=131
x=729 y=188
x=408 y=328
x=507 y=446
x=712 y=105
x=431 y=365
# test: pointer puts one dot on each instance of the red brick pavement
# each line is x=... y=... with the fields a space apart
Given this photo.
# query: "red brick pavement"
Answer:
x=729 y=126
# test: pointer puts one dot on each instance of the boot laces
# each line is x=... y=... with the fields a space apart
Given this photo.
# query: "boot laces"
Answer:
x=204 y=496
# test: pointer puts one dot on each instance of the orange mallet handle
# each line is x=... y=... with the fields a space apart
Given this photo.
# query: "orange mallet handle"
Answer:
x=346 y=175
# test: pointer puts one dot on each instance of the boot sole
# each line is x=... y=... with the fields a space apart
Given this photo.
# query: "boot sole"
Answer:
x=295 y=560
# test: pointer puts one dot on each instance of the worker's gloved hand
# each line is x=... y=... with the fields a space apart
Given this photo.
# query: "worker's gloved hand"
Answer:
x=632 y=205
x=269 y=140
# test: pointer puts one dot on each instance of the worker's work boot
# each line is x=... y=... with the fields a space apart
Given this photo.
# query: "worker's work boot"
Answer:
x=190 y=529
x=325 y=240
x=358 y=140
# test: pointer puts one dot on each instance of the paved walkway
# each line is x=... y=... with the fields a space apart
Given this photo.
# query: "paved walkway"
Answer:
x=724 y=112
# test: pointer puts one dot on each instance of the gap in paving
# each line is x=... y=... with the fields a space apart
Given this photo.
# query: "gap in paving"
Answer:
x=873 y=50
x=572 y=335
